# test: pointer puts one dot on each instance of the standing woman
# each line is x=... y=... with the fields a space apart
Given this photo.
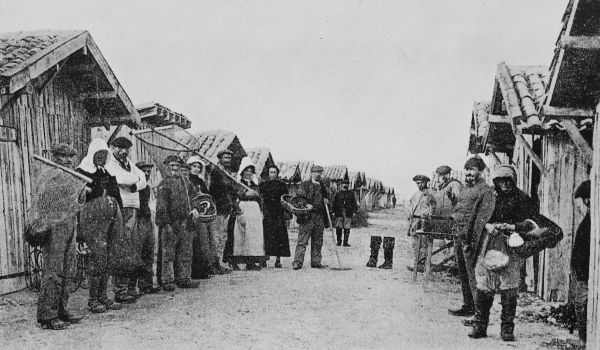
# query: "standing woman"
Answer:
x=100 y=221
x=245 y=241
x=274 y=221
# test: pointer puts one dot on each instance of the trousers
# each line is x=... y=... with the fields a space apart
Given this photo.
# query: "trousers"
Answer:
x=311 y=230
x=466 y=270
x=175 y=252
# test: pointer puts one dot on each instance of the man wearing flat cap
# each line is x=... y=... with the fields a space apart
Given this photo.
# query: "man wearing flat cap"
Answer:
x=447 y=192
x=58 y=260
x=473 y=209
x=344 y=206
x=223 y=191
x=173 y=209
x=130 y=180
x=312 y=227
x=422 y=203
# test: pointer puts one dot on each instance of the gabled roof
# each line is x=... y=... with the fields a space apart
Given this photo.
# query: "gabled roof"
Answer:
x=289 y=171
x=490 y=132
x=155 y=114
x=262 y=159
x=212 y=141
x=336 y=172
x=35 y=58
x=357 y=179
x=305 y=169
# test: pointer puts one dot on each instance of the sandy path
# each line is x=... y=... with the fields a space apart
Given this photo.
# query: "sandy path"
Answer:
x=280 y=308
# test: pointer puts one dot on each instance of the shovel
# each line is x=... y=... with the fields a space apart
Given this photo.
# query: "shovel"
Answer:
x=337 y=254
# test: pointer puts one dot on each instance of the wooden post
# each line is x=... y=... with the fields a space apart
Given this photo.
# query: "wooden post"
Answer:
x=593 y=319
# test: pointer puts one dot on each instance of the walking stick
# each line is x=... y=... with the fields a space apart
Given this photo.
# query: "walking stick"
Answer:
x=337 y=254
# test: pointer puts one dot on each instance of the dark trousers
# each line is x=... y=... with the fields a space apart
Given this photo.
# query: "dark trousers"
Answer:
x=175 y=252
x=311 y=230
x=465 y=261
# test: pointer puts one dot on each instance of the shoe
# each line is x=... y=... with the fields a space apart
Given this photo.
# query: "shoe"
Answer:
x=98 y=308
x=169 y=287
x=258 y=267
x=188 y=284
x=339 y=243
x=263 y=264
x=464 y=311
x=202 y=276
x=479 y=331
x=151 y=289
x=372 y=262
x=71 y=318
x=249 y=267
x=135 y=293
x=278 y=265
x=111 y=305
x=347 y=245
x=296 y=266
x=235 y=267
x=55 y=324
x=468 y=322
x=387 y=265
x=318 y=266
x=125 y=298
x=420 y=269
x=507 y=332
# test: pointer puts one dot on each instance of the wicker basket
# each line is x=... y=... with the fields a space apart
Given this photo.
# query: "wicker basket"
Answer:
x=207 y=207
x=294 y=205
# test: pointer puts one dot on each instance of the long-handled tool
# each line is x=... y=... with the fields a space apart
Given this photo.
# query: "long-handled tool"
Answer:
x=337 y=254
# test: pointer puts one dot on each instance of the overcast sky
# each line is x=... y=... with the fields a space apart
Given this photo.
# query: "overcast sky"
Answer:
x=381 y=86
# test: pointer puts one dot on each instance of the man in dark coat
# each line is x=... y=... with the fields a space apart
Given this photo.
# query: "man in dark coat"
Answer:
x=312 y=226
x=474 y=207
x=344 y=207
x=59 y=255
x=173 y=209
x=580 y=260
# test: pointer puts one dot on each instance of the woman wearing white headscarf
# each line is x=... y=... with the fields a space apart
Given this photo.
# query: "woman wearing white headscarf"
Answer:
x=245 y=241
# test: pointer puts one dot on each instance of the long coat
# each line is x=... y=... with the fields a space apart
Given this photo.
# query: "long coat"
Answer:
x=275 y=229
x=344 y=204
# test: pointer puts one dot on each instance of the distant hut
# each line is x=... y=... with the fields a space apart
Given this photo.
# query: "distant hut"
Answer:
x=262 y=159
x=305 y=169
x=335 y=175
x=357 y=183
x=290 y=173
x=54 y=87
x=213 y=141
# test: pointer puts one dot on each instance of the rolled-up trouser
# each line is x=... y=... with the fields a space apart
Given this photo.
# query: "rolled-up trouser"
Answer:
x=176 y=253
x=466 y=269
x=130 y=227
x=313 y=230
x=218 y=236
x=202 y=254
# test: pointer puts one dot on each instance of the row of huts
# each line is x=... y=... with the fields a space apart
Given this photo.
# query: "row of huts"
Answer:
x=542 y=120
x=56 y=86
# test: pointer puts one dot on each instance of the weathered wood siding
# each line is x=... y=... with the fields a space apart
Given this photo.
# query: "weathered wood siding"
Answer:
x=566 y=170
x=40 y=119
x=593 y=322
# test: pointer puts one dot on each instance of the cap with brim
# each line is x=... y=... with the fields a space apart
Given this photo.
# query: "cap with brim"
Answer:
x=475 y=162
x=172 y=158
x=221 y=153
x=62 y=149
x=144 y=165
x=443 y=170
x=316 y=169
x=421 y=178
x=122 y=142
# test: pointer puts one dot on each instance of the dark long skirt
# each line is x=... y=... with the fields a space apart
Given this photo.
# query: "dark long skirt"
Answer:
x=277 y=242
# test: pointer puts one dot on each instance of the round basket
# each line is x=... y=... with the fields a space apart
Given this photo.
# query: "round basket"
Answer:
x=294 y=205
x=206 y=207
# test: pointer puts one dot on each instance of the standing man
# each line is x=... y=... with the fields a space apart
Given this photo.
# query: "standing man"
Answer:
x=344 y=206
x=422 y=204
x=173 y=210
x=312 y=226
x=224 y=194
x=447 y=193
x=580 y=261
x=144 y=239
x=473 y=209
x=59 y=252
x=131 y=180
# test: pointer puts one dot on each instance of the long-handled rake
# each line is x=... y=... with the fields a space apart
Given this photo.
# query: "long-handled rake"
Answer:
x=337 y=254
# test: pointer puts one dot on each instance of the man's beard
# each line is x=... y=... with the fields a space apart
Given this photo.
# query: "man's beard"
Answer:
x=470 y=181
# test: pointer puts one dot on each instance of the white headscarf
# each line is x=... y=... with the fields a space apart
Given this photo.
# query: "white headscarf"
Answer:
x=246 y=162
x=87 y=164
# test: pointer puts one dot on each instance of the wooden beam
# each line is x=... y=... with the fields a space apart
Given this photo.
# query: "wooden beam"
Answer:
x=578 y=139
x=534 y=158
x=580 y=42
x=96 y=95
x=567 y=112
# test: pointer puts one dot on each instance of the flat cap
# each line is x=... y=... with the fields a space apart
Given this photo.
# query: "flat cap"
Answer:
x=316 y=169
x=421 y=178
x=223 y=152
x=121 y=142
x=443 y=170
x=584 y=190
x=63 y=149
x=173 y=158
x=144 y=165
x=475 y=162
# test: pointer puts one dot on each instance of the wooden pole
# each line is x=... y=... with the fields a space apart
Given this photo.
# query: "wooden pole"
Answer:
x=593 y=307
x=65 y=169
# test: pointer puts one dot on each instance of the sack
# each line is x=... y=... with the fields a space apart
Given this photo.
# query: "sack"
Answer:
x=496 y=256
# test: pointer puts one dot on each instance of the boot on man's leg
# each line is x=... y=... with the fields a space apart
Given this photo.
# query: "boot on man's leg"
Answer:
x=346 y=236
x=375 y=245
x=338 y=233
x=509 y=309
x=483 y=304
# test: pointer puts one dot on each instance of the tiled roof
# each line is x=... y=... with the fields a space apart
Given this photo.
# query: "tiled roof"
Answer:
x=155 y=114
x=523 y=89
x=261 y=157
x=289 y=171
x=212 y=141
x=305 y=170
x=335 y=172
x=18 y=49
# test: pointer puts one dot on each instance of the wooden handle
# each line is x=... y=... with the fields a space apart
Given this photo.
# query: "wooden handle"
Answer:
x=65 y=169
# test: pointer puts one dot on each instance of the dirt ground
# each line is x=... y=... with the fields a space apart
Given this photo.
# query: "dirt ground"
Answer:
x=280 y=308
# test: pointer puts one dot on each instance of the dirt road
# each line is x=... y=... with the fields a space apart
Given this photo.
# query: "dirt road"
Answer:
x=283 y=309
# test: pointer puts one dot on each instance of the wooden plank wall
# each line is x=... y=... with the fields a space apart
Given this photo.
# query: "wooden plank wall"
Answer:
x=593 y=314
x=41 y=119
x=566 y=170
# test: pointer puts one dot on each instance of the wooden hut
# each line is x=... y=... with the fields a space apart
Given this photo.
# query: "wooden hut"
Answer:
x=211 y=142
x=290 y=173
x=305 y=170
x=54 y=87
x=262 y=159
x=357 y=183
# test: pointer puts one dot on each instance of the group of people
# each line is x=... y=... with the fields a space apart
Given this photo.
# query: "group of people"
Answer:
x=495 y=228
x=116 y=222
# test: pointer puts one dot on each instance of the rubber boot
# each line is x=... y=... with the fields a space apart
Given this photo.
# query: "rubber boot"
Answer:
x=483 y=304
x=388 y=252
x=338 y=233
x=509 y=309
x=375 y=245
x=346 y=236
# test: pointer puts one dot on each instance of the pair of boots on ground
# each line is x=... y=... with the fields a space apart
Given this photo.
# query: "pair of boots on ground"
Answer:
x=483 y=303
x=388 y=251
x=338 y=233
